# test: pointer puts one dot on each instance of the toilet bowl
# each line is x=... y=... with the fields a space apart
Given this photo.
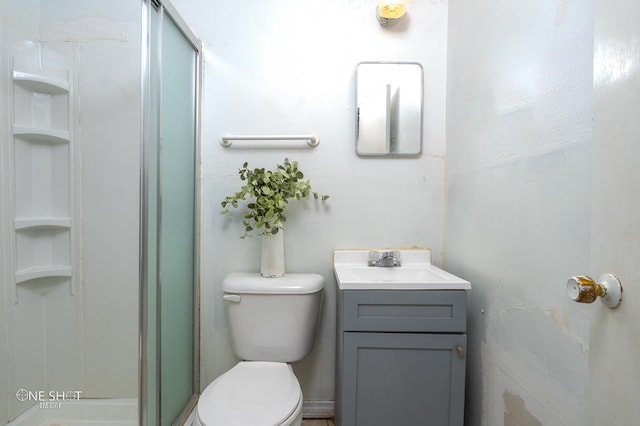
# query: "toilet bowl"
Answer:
x=252 y=393
x=273 y=322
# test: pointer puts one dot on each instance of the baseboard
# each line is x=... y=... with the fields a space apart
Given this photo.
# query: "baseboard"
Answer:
x=318 y=409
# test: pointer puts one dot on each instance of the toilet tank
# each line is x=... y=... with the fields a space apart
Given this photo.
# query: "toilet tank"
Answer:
x=273 y=319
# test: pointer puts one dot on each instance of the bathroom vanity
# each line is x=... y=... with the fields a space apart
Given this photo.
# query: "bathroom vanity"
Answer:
x=401 y=349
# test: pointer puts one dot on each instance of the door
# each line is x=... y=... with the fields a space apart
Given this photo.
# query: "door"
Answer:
x=170 y=213
x=615 y=234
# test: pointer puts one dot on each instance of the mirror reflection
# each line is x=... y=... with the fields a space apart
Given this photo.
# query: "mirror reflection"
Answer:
x=389 y=108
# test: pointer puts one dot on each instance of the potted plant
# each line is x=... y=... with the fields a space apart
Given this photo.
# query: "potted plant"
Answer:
x=269 y=192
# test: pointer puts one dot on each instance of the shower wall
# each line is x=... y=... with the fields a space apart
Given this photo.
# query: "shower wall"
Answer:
x=41 y=286
x=106 y=42
x=97 y=337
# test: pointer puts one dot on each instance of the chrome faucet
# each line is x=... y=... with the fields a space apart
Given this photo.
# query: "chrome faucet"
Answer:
x=384 y=259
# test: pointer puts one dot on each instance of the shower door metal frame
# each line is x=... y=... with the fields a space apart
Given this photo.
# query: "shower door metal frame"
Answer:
x=165 y=9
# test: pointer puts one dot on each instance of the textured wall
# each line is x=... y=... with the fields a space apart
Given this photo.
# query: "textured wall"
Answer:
x=286 y=67
x=519 y=203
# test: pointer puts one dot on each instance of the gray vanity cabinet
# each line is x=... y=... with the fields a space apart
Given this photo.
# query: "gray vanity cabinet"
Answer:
x=401 y=357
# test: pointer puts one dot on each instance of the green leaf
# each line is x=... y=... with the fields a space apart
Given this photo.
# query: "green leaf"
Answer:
x=268 y=193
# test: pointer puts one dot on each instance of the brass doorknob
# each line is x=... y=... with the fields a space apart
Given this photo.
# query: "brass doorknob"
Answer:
x=584 y=289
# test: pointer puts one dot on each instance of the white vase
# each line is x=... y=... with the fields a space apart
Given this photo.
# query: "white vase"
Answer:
x=272 y=255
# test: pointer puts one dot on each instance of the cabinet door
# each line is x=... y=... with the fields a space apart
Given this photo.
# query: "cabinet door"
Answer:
x=403 y=379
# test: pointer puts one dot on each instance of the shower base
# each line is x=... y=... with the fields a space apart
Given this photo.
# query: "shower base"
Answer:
x=87 y=412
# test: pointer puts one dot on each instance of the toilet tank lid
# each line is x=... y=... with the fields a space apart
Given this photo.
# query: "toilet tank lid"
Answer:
x=254 y=283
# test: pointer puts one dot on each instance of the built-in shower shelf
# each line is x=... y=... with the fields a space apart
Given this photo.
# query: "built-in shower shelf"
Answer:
x=40 y=83
x=43 y=152
x=42 y=222
x=36 y=272
x=37 y=134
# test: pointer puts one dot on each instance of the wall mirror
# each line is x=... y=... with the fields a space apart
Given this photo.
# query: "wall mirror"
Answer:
x=389 y=108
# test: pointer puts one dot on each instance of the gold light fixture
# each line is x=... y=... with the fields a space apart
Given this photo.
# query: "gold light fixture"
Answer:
x=389 y=12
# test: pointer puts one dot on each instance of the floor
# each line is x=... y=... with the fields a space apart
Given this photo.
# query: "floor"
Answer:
x=318 y=422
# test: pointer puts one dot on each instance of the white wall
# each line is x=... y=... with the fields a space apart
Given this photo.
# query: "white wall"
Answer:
x=17 y=22
x=20 y=17
x=106 y=41
x=23 y=326
x=519 y=202
x=287 y=67
x=5 y=215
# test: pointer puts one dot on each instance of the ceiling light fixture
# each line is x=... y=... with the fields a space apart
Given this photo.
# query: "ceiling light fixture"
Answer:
x=389 y=12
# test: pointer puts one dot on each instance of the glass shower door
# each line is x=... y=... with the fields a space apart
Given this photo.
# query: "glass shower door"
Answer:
x=171 y=188
x=177 y=221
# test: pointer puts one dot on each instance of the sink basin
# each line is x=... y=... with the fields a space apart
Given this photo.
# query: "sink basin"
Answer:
x=416 y=273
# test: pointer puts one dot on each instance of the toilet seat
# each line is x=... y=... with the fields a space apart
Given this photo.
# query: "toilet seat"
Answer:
x=252 y=393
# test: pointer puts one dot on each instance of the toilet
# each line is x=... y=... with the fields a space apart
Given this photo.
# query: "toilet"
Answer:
x=273 y=322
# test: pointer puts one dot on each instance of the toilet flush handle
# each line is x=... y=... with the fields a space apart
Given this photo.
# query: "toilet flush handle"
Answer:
x=235 y=298
x=584 y=289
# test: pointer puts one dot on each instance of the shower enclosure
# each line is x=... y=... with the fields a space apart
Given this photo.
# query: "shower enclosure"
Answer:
x=98 y=218
x=170 y=217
